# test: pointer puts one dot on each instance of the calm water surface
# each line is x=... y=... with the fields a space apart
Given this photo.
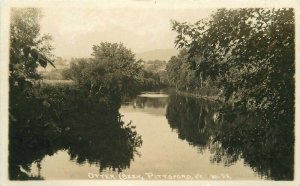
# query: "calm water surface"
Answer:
x=181 y=136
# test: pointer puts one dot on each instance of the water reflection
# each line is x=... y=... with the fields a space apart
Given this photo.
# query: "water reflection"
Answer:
x=153 y=103
x=191 y=119
x=96 y=135
x=268 y=148
x=142 y=102
x=92 y=132
x=101 y=138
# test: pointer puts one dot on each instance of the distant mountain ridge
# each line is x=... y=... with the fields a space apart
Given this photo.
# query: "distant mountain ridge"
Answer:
x=159 y=54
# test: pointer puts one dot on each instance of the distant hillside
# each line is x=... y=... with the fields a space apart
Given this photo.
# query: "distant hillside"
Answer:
x=160 y=54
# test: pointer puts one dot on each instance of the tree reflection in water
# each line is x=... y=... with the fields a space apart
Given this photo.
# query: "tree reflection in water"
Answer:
x=267 y=147
x=89 y=131
x=142 y=102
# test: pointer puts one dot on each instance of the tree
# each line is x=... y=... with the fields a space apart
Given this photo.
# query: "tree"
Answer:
x=155 y=66
x=180 y=74
x=120 y=65
x=79 y=71
x=116 y=57
x=112 y=71
x=249 y=53
x=28 y=48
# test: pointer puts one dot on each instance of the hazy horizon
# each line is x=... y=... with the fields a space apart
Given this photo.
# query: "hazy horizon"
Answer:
x=76 y=30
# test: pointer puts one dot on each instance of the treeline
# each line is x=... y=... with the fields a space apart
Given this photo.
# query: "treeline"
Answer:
x=113 y=69
x=153 y=72
x=248 y=54
x=181 y=76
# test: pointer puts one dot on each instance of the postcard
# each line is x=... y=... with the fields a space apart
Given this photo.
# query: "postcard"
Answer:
x=149 y=92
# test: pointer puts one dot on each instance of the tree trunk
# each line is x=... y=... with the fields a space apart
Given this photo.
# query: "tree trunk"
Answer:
x=201 y=80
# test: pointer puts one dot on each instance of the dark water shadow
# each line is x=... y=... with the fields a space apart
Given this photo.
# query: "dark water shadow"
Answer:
x=90 y=130
x=267 y=147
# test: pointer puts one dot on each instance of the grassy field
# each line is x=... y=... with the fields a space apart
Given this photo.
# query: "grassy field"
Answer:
x=57 y=82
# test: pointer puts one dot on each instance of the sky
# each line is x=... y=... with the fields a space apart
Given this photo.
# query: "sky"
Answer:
x=76 y=30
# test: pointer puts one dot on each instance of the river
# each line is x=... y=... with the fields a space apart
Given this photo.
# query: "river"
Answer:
x=182 y=138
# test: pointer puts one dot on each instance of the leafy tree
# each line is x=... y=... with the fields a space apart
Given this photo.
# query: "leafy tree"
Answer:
x=180 y=74
x=153 y=74
x=112 y=71
x=249 y=53
x=121 y=68
x=79 y=71
x=28 y=48
x=155 y=66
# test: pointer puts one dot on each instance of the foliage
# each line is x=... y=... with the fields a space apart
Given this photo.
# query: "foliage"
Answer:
x=25 y=39
x=79 y=71
x=154 y=74
x=155 y=66
x=184 y=78
x=56 y=74
x=27 y=49
x=151 y=80
x=249 y=54
x=119 y=63
x=179 y=73
x=112 y=69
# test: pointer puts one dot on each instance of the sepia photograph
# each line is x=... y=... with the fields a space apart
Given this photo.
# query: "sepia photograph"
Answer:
x=149 y=93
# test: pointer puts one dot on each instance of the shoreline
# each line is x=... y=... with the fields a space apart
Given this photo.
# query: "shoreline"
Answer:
x=199 y=96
